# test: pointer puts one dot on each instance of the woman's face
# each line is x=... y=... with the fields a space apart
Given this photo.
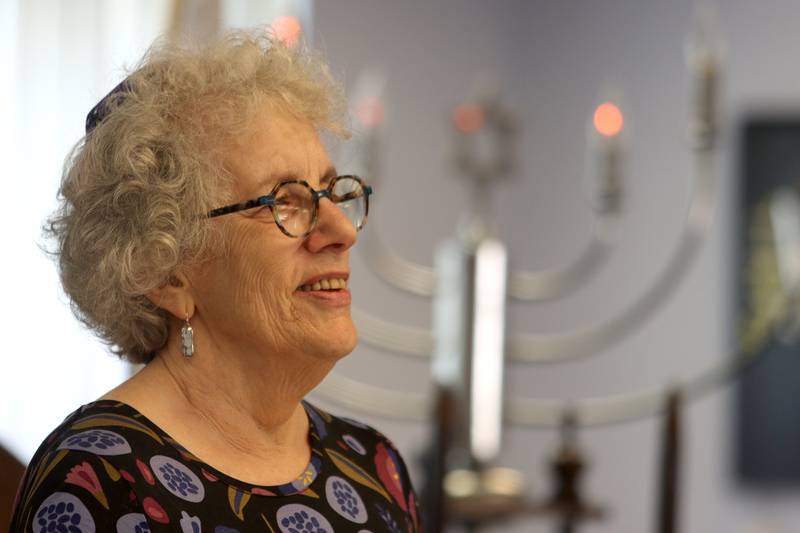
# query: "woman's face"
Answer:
x=248 y=299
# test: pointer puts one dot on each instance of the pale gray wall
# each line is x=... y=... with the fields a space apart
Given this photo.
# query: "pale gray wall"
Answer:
x=553 y=59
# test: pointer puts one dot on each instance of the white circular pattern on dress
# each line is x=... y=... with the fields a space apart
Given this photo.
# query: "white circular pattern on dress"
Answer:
x=344 y=499
x=298 y=518
x=62 y=511
x=133 y=523
x=354 y=444
x=177 y=478
x=98 y=442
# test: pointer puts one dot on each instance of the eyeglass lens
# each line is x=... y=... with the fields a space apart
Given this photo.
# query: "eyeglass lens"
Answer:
x=348 y=194
x=294 y=208
x=294 y=205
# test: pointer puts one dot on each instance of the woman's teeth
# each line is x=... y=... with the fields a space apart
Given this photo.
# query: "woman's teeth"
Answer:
x=325 y=285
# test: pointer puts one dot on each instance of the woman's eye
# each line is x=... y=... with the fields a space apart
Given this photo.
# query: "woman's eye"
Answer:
x=259 y=212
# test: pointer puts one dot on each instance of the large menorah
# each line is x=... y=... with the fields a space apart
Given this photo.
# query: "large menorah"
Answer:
x=469 y=285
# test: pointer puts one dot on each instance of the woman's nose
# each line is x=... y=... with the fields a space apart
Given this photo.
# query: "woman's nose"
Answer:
x=333 y=229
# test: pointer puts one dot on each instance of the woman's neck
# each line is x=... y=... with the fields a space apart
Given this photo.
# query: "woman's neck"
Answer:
x=242 y=417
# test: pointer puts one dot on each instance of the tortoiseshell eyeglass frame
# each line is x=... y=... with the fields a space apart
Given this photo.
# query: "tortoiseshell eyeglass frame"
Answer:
x=269 y=201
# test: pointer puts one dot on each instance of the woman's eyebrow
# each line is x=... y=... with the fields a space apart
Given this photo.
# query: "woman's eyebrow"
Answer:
x=269 y=181
x=330 y=173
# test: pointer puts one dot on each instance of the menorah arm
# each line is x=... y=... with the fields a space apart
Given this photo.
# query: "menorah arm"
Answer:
x=393 y=269
x=374 y=400
x=607 y=410
x=619 y=409
x=527 y=286
x=588 y=341
x=392 y=337
x=550 y=284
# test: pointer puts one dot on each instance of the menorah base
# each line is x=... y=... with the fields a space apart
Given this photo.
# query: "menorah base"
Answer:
x=497 y=494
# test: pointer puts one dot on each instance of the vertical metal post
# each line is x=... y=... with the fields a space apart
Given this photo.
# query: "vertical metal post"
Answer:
x=469 y=325
x=670 y=466
x=486 y=355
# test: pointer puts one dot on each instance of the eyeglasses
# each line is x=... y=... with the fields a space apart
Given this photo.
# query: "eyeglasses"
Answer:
x=294 y=204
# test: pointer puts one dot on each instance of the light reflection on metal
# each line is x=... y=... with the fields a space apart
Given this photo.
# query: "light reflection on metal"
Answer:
x=704 y=51
x=488 y=348
x=408 y=340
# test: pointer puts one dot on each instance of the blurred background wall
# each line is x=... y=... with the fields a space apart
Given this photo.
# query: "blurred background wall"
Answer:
x=551 y=61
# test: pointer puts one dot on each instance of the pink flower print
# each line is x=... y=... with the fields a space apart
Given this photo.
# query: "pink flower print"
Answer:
x=155 y=511
x=146 y=473
x=83 y=475
x=127 y=476
x=208 y=476
x=386 y=463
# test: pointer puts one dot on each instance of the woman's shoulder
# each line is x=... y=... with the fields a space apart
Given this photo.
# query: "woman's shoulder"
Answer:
x=366 y=455
x=105 y=429
x=82 y=469
x=348 y=437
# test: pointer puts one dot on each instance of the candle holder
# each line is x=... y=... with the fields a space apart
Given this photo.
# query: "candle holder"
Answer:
x=468 y=347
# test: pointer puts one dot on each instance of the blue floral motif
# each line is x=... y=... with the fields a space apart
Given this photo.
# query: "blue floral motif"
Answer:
x=298 y=518
x=388 y=519
x=98 y=441
x=63 y=512
x=177 y=478
x=344 y=499
x=133 y=523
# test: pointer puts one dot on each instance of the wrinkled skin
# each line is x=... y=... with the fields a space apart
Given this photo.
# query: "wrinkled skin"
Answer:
x=247 y=301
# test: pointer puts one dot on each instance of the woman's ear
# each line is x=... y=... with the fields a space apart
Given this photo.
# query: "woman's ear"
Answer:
x=174 y=296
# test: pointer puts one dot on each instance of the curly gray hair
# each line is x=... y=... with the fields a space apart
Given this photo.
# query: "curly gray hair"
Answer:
x=133 y=187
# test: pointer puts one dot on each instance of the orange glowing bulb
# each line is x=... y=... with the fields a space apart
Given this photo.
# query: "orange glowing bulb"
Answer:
x=608 y=119
x=468 y=118
x=287 y=29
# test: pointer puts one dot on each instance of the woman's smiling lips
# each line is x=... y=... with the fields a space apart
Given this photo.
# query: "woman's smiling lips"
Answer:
x=329 y=288
x=335 y=298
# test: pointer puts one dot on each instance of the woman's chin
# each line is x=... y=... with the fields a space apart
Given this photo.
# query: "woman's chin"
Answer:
x=341 y=348
x=343 y=345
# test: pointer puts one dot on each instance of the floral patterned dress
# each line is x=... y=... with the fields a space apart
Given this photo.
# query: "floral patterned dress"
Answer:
x=107 y=468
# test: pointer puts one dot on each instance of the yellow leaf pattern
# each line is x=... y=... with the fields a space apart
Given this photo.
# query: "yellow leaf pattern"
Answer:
x=237 y=500
x=356 y=473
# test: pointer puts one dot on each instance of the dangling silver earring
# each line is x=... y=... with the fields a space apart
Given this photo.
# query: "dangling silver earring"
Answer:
x=187 y=339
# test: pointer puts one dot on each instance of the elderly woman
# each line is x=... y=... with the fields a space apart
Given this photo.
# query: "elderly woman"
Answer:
x=204 y=232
